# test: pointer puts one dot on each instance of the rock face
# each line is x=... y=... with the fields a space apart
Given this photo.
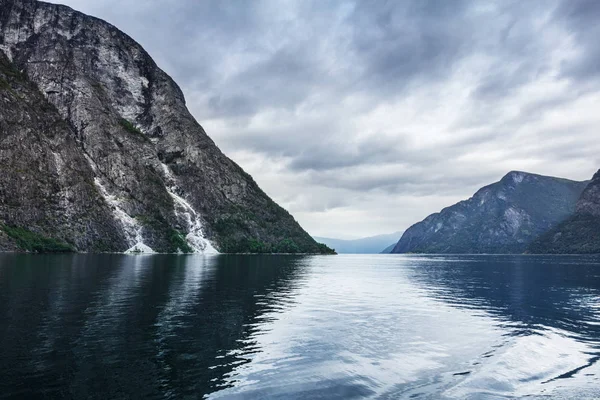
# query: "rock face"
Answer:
x=45 y=180
x=580 y=233
x=504 y=217
x=99 y=151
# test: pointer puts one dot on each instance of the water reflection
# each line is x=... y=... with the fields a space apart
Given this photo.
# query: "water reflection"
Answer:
x=532 y=291
x=547 y=307
x=296 y=327
x=116 y=326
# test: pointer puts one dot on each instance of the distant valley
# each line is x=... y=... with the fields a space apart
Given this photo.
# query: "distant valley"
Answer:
x=368 y=245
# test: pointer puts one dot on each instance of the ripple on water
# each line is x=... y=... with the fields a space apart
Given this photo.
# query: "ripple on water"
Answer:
x=377 y=326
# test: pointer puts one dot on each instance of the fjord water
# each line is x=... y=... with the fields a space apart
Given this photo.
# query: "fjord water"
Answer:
x=289 y=327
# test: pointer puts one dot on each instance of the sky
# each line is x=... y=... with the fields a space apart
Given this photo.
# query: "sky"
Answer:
x=363 y=117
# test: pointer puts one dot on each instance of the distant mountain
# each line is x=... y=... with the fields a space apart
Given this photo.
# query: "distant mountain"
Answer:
x=580 y=233
x=368 y=245
x=504 y=217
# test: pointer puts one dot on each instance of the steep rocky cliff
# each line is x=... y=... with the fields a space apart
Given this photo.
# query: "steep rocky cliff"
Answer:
x=504 y=217
x=99 y=151
x=580 y=233
x=45 y=181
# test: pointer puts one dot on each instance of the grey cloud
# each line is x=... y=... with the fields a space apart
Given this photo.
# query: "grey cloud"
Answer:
x=233 y=105
x=581 y=19
x=417 y=181
x=402 y=41
x=371 y=151
x=283 y=80
x=503 y=81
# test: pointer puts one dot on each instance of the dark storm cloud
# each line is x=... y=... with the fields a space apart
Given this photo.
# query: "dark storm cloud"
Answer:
x=359 y=108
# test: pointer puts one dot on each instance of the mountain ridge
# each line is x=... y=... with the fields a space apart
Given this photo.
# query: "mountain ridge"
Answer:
x=504 y=216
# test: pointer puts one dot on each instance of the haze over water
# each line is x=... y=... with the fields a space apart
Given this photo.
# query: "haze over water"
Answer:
x=290 y=327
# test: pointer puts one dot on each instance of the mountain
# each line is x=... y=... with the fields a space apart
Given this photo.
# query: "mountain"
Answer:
x=503 y=217
x=580 y=233
x=368 y=245
x=389 y=249
x=99 y=152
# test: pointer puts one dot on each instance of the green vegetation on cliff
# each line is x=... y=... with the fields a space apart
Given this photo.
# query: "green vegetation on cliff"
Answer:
x=579 y=234
x=34 y=242
x=267 y=229
x=285 y=246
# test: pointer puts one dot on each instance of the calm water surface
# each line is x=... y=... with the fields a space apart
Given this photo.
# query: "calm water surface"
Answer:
x=299 y=327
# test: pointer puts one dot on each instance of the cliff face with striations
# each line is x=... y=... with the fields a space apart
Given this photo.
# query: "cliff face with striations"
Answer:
x=504 y=217
x=99 y=151
x=45 y=180
x=580 y=233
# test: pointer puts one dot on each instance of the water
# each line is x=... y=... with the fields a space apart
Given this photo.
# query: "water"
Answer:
x=299 y=327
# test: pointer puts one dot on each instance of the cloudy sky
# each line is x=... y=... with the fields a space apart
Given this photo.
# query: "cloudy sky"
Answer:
x=363 y=117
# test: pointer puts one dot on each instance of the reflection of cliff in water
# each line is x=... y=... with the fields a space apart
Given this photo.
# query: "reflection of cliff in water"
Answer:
x=112 y=326
x=531 y=292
